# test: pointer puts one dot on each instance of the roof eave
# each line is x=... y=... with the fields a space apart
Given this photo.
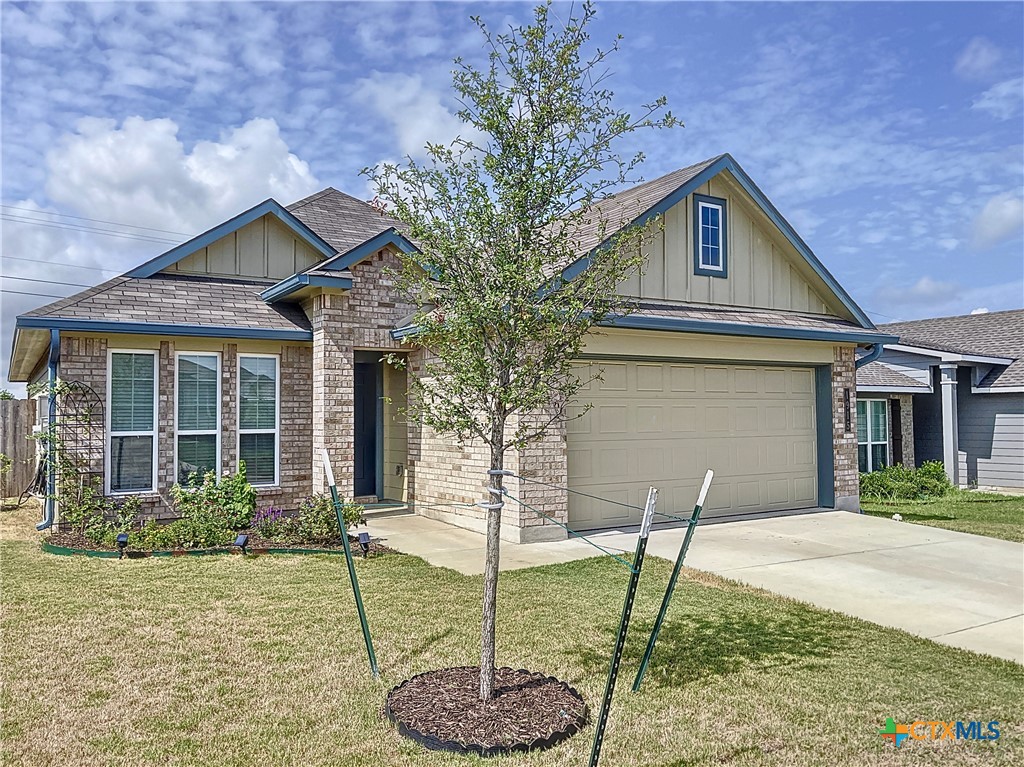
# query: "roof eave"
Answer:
x=28 y=349
x=163 y=329
x=288 y=287
x=687 y=325
x=364 y=250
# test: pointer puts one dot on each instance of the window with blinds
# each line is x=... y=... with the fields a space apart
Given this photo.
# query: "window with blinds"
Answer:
x=197 y=414
x=258 y=409
x=131 y=464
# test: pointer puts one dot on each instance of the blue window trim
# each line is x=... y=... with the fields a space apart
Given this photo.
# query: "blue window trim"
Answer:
x=698 y=268
x=726 y=162
x=162 y=329
x=296 y=282
x=271 y=206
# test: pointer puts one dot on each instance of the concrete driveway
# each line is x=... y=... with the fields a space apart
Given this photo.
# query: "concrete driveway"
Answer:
x=958 y=589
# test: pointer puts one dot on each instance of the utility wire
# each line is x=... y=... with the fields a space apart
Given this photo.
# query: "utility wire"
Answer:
x=51 y=282
x=73 y=228
x=94 y=220
x=37 y=295
x=58 y=263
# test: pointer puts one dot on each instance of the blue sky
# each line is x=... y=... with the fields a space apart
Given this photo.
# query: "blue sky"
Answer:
x=890 y=134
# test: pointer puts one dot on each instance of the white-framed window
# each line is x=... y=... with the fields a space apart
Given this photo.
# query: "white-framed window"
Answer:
x=196 y=416
x=131 y=421
x=709 y=236
x=872 y=434
x=259 y=408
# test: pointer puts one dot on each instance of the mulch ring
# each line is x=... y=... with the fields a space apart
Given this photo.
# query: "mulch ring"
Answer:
x=441 y=710
x=73 y=539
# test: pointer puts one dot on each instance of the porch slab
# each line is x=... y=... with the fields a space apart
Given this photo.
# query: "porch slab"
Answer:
x=958 y=589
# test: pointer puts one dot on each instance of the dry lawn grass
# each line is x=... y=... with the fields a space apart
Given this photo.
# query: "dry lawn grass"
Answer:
x=232 y=661
x=966 y=511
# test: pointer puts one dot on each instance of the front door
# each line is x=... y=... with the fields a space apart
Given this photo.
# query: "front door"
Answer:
x=366 y=400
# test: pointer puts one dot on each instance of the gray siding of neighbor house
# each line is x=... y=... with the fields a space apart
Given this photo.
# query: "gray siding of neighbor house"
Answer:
x=991 y=436
x=914 y=366
x=928 y=424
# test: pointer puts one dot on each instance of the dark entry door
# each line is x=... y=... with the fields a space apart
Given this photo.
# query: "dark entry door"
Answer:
x=366 y=396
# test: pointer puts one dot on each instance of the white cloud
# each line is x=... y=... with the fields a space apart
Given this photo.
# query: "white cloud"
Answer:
x=141 y=173
x=1001 y=219
x=1003 y=100
x=977 y=60
x=980 y=310
x=416 y=112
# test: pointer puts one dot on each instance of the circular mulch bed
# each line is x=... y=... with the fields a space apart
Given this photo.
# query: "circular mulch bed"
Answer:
x=442 y=711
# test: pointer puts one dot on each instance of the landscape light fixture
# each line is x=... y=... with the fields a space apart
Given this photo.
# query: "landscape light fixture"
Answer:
x=364 y=544
x=241 y=542
x=122 y=544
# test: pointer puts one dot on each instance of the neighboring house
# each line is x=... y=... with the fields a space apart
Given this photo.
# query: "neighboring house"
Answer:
x=261 y=340
x=951 y=390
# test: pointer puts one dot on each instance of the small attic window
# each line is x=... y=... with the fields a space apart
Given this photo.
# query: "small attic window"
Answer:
x=709 y=241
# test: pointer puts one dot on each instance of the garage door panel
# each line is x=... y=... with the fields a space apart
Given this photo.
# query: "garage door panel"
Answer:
x=665 y=424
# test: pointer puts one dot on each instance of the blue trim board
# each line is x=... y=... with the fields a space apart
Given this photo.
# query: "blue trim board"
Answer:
x=723 y=234
x=296 y=282
x=390 y=236
x=823 y=432
x=685 y=325
x=272 y=207
x=161 y=329
x=726 y=162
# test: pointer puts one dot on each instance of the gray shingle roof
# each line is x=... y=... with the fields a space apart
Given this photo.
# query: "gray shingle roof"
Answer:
x=735 y=315
x=341 y=219
x=881 y=375
x=618 y=210
x=179 y=299
x=994 y=334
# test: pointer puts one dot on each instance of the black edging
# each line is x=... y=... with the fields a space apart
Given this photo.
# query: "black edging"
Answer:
x=437 y=744
x=51 y=548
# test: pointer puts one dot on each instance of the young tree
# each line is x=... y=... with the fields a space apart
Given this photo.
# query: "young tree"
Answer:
x=498 y=215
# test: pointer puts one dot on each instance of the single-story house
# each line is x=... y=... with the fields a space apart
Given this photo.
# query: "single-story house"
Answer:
x=951 y=390
x=261 y=340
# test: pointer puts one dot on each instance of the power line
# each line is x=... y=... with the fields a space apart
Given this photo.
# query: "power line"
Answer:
x=94 y=220
x=74 y=228
x=37 y=295
x=52 y=282
x=58 y=263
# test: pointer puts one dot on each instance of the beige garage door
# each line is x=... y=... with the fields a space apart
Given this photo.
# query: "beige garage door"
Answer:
x=664 y=424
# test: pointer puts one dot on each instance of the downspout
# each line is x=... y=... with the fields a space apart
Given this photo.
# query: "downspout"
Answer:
x=51 y=467
x=872 y=355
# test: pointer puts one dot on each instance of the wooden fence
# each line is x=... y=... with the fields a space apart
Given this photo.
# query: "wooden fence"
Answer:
x=16 y=419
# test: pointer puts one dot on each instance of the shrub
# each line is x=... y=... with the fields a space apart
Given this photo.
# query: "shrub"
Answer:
x=318 y=521
x=186 y=533
x=232 y=499
x=899 y=483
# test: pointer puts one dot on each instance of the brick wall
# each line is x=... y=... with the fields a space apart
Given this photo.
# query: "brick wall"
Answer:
x=907 y=430
x=847 y=479
x=362 y=318
x=85 y=359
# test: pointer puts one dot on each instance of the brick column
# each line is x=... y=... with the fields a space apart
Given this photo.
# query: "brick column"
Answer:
x=166 y=469
x=333 y=381
x=844 y=440
x=229 y=408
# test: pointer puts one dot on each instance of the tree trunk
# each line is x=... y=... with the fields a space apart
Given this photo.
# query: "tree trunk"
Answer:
x=491 y=578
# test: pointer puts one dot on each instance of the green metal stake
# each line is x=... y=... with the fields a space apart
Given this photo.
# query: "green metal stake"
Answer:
x=351 y=565
x=627 y=609
x=672 y=581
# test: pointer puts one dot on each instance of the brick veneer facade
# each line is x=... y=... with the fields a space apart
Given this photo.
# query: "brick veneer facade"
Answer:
x=844 y=440
x=84 y=359
x=317 y=411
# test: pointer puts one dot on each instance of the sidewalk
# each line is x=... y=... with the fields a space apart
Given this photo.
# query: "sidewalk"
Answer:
x=959 y=589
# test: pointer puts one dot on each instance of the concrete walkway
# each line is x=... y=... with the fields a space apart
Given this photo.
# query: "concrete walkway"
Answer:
x=958 y=589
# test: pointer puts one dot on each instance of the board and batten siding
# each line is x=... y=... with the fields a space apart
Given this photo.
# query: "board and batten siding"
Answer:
x=764 y=269
x=915 y=366
x=264 y=248
x=991 y=436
